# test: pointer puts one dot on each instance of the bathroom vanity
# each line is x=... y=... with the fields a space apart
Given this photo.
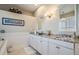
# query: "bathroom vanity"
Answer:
x=52 y=45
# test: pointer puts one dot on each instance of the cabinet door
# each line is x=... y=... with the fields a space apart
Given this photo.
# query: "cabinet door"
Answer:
x=52 y=48
x=64 y=51
x=31 y=41
x=35 y=43
x=38 y=44
x=44 y=46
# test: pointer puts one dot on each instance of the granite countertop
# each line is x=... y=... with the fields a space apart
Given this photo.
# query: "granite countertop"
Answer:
x=57 y=37
x=65 y=39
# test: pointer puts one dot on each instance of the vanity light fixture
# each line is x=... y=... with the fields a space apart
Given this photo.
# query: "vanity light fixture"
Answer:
x=50 y=15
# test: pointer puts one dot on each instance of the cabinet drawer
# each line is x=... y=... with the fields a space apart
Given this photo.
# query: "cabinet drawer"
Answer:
x=63 y=44
x=58 y=49
x=64 y=51
x=52 y=50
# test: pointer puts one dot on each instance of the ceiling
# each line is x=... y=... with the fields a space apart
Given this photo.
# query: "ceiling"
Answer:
x=32 y=8
x=28 y=7
x=39 y=9
x=23 y=7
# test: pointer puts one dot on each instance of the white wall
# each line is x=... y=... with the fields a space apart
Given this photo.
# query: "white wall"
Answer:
x=17 y=34
x=30 y=22
x=51 y=24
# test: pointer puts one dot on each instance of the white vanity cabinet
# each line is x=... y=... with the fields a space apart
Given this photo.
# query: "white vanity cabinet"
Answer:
x=39 y=43
x=47 y=46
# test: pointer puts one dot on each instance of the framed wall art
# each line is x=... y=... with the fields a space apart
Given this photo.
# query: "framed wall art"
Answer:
x=13 y=22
